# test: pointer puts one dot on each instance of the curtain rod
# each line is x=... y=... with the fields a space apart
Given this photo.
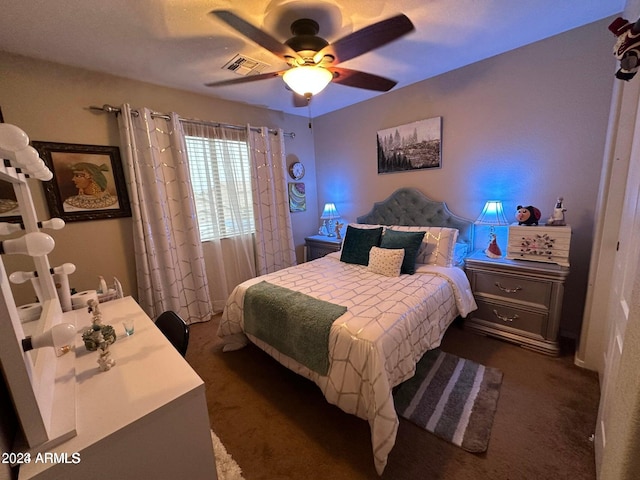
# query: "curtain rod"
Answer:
x=110 y=109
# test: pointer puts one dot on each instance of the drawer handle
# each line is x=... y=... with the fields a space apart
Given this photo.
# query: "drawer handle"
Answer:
x=505 y=318
x=508 y=290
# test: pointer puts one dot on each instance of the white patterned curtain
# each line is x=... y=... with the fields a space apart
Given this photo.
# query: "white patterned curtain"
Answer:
x=223 y=191
x=169 y=260
x=274 y=237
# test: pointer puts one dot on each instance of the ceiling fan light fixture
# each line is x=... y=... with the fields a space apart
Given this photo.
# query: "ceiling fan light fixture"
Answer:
x=307 y=80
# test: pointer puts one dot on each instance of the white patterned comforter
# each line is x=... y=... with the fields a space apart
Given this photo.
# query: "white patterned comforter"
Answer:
x=375 y=345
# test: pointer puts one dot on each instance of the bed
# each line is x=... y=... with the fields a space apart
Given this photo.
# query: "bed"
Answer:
x=370 y=325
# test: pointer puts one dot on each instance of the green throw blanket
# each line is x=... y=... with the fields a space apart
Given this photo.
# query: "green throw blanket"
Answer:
x=295 y=324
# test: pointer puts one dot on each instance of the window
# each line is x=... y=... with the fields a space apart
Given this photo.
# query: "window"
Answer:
x=221 y=181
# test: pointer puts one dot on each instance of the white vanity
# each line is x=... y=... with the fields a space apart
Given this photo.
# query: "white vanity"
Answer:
x=145 y=418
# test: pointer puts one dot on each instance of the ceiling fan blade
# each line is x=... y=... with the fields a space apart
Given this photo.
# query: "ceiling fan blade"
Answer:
x=366 y=39
x=247 y=79
x=355 y=78
x=255 y=34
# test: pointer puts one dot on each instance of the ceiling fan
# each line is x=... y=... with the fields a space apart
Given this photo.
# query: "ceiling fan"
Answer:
x=312 y=59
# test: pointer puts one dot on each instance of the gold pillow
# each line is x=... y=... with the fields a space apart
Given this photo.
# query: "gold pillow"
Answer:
x=386 y=261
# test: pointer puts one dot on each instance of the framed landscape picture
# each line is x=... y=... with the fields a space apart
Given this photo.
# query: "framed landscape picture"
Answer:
x=413 y=146
x=88 y=181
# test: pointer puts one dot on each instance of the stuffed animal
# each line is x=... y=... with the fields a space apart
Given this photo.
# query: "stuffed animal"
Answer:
x=627 y=47
x=528 y=215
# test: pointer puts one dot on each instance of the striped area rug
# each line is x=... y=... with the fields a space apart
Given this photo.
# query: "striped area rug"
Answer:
x=453 y=398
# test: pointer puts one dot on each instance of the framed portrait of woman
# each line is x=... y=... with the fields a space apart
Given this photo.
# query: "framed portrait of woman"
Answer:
x=88 y=181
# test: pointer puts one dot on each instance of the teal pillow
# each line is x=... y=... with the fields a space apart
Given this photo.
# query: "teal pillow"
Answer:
x=410 y=241
x=358 y=242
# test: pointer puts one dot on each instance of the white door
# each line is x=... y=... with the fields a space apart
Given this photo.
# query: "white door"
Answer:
x=626 y=262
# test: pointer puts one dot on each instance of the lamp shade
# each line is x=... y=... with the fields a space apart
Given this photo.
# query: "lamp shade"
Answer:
x=307 y=80
x=492 y=214
x=329 y=212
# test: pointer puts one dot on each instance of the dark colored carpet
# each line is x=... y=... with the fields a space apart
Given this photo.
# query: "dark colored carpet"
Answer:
x=277 y=425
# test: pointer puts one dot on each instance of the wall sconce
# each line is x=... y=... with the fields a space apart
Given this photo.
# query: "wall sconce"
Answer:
x=492 y=214
x=329 y=214
x=59 y=336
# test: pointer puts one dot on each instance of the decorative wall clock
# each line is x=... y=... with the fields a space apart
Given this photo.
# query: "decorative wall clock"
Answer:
x=296 y=170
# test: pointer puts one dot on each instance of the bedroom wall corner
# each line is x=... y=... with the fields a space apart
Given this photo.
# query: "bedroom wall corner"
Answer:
x=49 y=102
x=525 y=126
x=611 y=195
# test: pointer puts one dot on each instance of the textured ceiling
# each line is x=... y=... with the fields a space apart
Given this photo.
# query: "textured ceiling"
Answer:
x=176 y=43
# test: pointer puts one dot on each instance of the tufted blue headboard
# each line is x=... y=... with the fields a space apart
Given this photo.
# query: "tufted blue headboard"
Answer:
x=408 y=206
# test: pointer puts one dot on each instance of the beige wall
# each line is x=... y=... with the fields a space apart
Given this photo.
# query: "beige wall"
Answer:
x=49 y=102
x=524 y=127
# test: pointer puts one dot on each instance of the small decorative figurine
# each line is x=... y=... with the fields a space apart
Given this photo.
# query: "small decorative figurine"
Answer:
x=93 y=307
x=99 y=337
x=627 y=47
x=337 y=230
x=528 y=215
x=557 y=218
x=105 y=362
x=493 y=250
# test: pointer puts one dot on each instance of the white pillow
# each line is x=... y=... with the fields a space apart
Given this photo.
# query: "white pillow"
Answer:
x=365 y=226
x=386 y=261
x=438 y=244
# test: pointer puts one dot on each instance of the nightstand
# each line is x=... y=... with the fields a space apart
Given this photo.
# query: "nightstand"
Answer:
x=319 y=245
x=518 y=300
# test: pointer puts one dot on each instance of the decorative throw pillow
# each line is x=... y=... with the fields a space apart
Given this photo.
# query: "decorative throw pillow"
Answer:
x=409 y=241
x=357 y=243
x=367 y=226
x=438 y=245
x=386 y=261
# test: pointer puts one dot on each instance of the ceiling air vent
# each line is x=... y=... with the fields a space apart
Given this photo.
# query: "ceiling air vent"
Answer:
x=244 y=66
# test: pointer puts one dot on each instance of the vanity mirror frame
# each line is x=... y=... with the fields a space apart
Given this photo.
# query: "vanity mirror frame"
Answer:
x=42 y=386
